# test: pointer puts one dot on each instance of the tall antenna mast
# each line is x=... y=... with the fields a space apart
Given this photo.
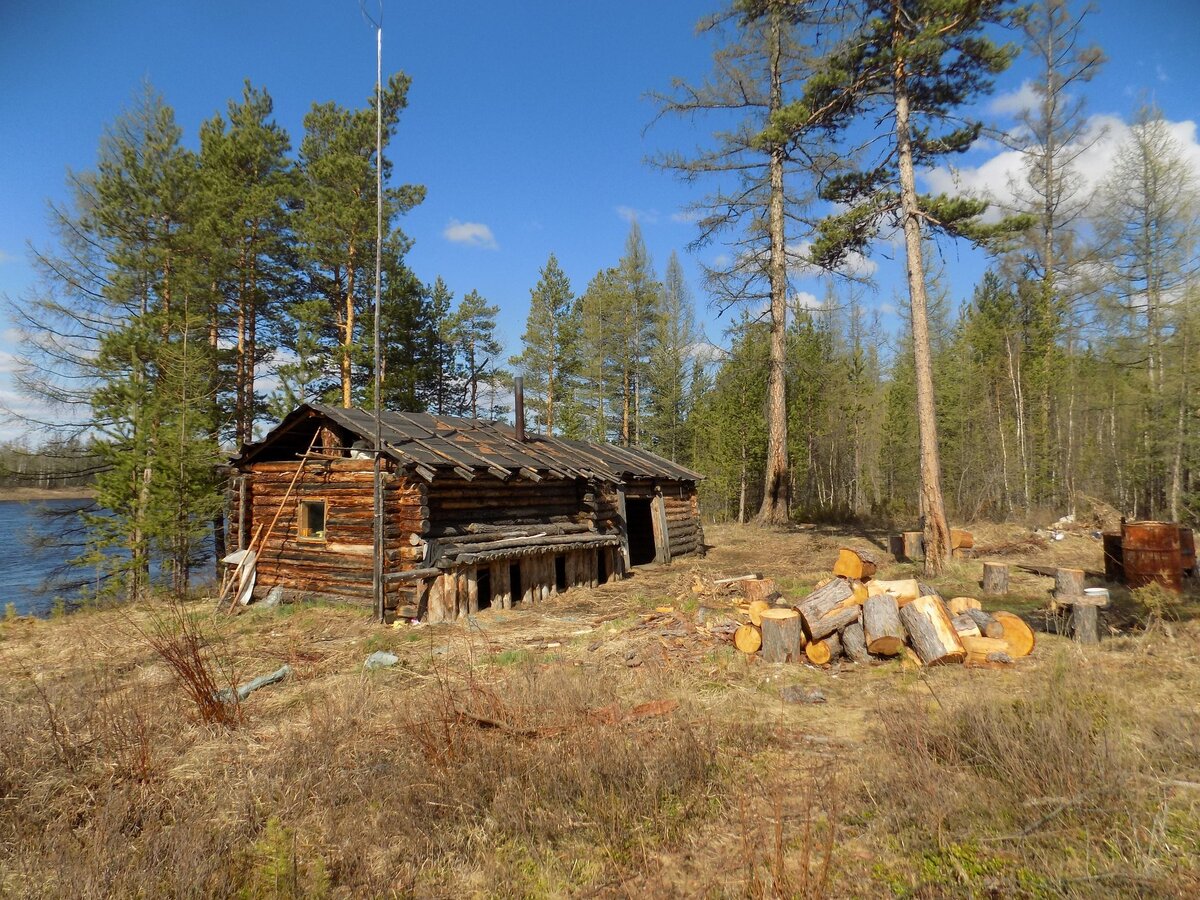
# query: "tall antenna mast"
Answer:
x=377 y=572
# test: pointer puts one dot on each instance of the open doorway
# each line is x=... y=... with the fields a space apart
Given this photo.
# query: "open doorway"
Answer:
x=641 y=530
x=484 y=585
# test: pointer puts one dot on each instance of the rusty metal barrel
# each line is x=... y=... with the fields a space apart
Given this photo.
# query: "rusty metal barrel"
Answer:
x=1151 y=553
x=1187 y=550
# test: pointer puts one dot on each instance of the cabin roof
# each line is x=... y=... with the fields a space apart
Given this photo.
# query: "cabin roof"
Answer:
x=432 y=445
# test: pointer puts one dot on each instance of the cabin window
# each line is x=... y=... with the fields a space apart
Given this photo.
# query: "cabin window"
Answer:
x=312 y=520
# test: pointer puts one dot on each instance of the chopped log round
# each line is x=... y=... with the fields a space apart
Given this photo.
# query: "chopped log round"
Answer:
x=882 y=628
x=854 y=642
x=988 y=626
x=959 y=605
x=1017 y=633
x=855 y=564
x=965 y=626
x=931 y=632
x=832 y=621
x=747 y=639
x=824 y=651
x=1068 y=583
x=961 y=540
x=756 y=610
x=837 y=594
x=904 y=590
x=782 y=636
x=995 y=578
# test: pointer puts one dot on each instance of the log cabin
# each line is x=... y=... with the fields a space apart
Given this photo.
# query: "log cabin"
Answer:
x=475 y=514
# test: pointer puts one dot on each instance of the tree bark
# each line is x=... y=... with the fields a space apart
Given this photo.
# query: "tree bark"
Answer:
x=937 y=531
x=775 y=503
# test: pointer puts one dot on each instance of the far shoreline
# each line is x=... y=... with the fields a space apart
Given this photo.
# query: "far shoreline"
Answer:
x=26 y=494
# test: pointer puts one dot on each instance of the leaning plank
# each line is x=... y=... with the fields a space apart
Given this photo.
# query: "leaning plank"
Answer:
x=882 y=628
x=854 y=642
x=931 y=632
x=782 y=636
x=856 y=564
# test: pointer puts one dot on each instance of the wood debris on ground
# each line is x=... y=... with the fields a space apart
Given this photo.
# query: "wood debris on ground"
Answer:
x=855 y=616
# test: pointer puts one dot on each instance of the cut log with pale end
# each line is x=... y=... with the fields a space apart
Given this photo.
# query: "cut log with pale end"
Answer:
x=782 y=636
x=965 y=626
x=984 y=645
x=758 y=588
x=854 y=643
x=882 y=629
x=855 y=564
x=959 y=605
x=1068 y=583
x=757 y=607
x=837 y=594
x=914 y=545
x=859 y=592
x=747 y=639
x=931 y=632
x=1017 y=633
x=905 y=590
x=821 y=652
x=988 y=626
x=833 y=621
x=961 y=539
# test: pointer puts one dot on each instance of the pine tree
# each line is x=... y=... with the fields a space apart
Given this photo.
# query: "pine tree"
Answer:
x=549 y=361
x=668 y=366
x=472 y=334
x=445 y=369
x=597 y=310
x=914 y=62
x=632 y=329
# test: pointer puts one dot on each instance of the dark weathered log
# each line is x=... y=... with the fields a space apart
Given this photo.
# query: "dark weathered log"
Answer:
x=995 y=579
x=986 y=622
x=836 y=594
x=931 y=632
x=833 y=621
x=914 y=545
x=782 y=637
x=882 y=628
x=854 y=643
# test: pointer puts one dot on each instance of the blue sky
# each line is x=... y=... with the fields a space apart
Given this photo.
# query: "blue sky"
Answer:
x=527 y=121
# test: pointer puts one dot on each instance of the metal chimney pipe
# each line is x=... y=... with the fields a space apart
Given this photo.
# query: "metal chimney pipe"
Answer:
x=519 y=407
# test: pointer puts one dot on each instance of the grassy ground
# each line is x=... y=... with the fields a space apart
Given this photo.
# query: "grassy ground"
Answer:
x=592 y=746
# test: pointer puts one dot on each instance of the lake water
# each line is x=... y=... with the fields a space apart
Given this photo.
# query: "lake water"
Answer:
x=24 y=567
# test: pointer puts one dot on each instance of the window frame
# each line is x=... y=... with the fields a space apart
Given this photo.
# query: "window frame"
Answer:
x=310 y=538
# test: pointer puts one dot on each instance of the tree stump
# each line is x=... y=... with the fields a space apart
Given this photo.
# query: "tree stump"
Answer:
x=931 y=632
x=782 y=636
x=1068 y=583
x=1085 y=623
x=854 y=643
x=759 y=589
x=914 y=545
x=882 y=629
x=995 y=578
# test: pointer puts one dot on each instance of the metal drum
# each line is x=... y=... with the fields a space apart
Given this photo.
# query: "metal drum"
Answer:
x=1151 y=553
x=1187 y=550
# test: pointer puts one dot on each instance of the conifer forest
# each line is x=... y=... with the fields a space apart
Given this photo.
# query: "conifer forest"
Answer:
x=202 y=285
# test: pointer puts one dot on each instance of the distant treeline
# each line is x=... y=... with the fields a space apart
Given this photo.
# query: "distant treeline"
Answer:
x=52 y=465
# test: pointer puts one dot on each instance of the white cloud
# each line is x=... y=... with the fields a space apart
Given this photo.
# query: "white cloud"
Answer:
x=6 y=258
x=1000 y=177
x=473 y=234
x=856 y=265
x=1015 y=102
x=805 y=300
x=686 y=217
x=632 y=214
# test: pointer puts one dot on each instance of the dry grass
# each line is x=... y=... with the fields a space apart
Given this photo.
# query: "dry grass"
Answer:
x=502 y=757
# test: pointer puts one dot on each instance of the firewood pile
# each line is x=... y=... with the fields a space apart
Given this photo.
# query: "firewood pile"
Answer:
x=855 y=615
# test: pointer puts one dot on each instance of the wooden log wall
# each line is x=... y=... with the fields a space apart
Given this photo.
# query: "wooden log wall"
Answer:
x=339 y=565
x=454 y=502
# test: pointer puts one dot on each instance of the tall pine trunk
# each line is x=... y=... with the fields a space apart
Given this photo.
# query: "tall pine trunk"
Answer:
x=937 y=531
x=774 y=509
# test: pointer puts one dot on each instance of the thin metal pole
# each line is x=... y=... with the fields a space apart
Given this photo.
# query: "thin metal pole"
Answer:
x=377 y=579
